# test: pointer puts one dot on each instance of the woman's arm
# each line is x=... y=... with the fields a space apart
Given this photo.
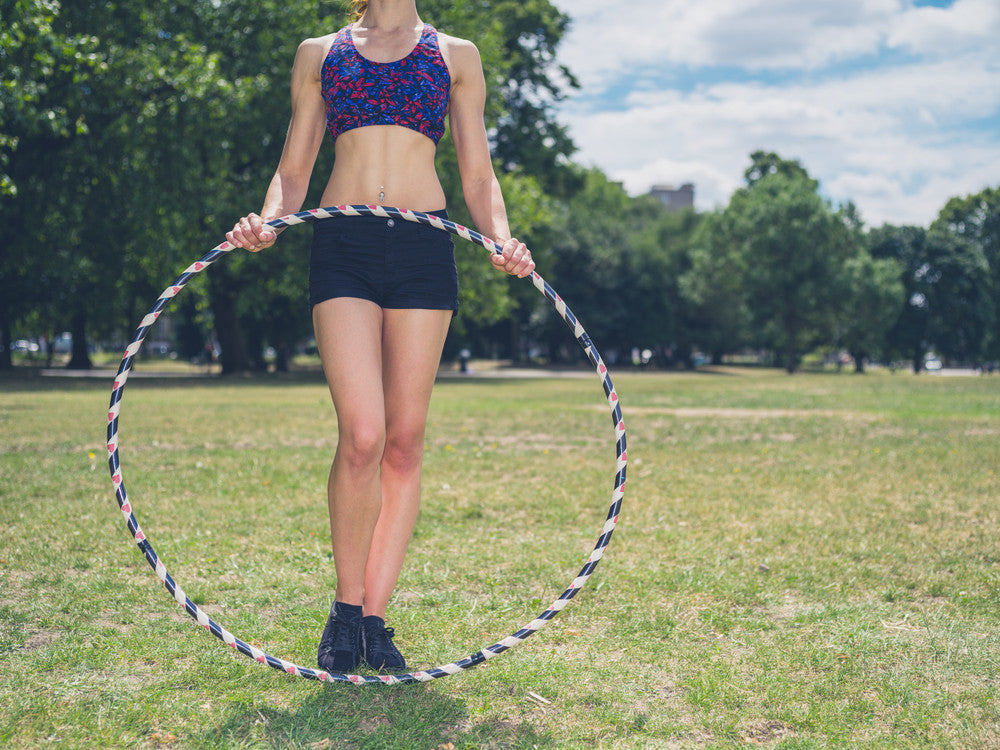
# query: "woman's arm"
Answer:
x=288 y=187
x=479 y=182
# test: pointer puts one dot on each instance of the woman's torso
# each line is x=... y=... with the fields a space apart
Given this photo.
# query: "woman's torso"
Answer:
x=385 y=100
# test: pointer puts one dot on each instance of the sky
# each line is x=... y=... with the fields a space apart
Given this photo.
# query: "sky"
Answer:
x=891 y=104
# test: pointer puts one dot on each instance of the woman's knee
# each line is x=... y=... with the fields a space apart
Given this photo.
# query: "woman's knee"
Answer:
x=361 y=447
x=404 y=450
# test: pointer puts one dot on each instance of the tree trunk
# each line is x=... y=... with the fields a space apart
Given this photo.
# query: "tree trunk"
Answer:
x=6 y=339
x=283 y=357
x=859 y=362
x=790 y=321
x=255 y=350
x=227 y=322
x=791 y=357
x=515 y=339
x=50 y=353
x=80 y=357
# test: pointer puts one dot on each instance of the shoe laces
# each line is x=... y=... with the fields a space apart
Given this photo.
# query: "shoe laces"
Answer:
x=380 y=638
x=344 y=634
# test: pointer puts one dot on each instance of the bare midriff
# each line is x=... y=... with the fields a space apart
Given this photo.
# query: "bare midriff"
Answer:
x=384 y=165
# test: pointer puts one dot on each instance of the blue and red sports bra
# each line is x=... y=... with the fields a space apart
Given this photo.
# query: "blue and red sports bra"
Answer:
x=412 y=92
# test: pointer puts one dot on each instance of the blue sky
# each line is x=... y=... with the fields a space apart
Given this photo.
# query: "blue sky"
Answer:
x=894 y=104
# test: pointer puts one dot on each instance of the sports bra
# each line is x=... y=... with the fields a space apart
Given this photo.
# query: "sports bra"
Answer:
x=412 y=92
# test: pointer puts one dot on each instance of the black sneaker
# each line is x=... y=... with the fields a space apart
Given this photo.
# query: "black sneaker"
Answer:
x=340 y=646
x=380 y=653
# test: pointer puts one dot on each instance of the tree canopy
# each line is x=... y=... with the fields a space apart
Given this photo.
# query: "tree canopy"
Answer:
x=149 y=128
x=133 y=134
x=788 y=250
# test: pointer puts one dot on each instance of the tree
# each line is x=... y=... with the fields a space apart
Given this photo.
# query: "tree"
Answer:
x=40 y=97
x=714 y=287
x=875 y=300
x=616 y=260
x=229 y=146
x=977 y=218
x=118 y=189
x=794 y=250
x=766 y=163
x=946 y=286
x=954 y=281
x=527 y=135
x=587 y=267
x=658 y=313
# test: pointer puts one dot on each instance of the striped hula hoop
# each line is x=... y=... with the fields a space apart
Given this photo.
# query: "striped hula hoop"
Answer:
x=520 y=635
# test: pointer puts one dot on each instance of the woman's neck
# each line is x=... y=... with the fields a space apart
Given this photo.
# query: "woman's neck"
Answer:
x=388 y=15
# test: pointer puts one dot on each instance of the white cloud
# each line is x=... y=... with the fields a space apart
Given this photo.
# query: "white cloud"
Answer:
x=942 y=31
x=897 y=139
x=751 y=34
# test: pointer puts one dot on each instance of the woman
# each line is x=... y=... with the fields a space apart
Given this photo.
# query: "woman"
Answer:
x=383 y=292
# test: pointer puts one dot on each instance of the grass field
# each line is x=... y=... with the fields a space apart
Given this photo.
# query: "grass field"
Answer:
x=807 y=561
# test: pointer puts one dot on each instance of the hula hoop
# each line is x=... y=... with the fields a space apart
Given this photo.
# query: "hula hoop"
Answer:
x=516 y=638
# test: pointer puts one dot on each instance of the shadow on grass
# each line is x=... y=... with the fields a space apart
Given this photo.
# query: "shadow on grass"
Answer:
x=337 y=716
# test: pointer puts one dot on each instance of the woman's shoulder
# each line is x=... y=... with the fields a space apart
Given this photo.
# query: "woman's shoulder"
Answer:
x=313 y=51
x=460 y=54
x=318 y=43
x=454 y=43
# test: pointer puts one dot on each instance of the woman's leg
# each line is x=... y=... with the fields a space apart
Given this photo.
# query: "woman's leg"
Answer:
x=412 y=341
x=349 y=336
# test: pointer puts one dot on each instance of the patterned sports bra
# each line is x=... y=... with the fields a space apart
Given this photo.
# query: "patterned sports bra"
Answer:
x=412 y=92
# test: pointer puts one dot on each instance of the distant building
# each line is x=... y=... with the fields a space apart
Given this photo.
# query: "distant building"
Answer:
x=676 y=199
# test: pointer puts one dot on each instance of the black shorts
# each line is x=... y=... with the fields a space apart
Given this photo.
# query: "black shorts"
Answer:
x=392 y=262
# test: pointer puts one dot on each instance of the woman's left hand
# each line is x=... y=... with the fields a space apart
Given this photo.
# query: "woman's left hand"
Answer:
x=515 y=260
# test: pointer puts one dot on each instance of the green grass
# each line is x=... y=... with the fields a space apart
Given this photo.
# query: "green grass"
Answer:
x=808 y=561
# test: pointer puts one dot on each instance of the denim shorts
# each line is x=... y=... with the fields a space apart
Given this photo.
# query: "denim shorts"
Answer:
x=392 y=262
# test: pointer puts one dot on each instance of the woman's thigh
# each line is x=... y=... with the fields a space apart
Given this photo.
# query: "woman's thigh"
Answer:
x=380 y=364
x=412 y=341
x=349 y=337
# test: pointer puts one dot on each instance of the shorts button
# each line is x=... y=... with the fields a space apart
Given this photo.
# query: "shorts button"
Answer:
x=391 y=223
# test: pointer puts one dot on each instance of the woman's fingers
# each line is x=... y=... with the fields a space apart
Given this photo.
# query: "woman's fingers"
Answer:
x=515 y=259
x=251 y=233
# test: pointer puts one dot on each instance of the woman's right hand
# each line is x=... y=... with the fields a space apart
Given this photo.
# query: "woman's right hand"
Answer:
x=251 y=233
